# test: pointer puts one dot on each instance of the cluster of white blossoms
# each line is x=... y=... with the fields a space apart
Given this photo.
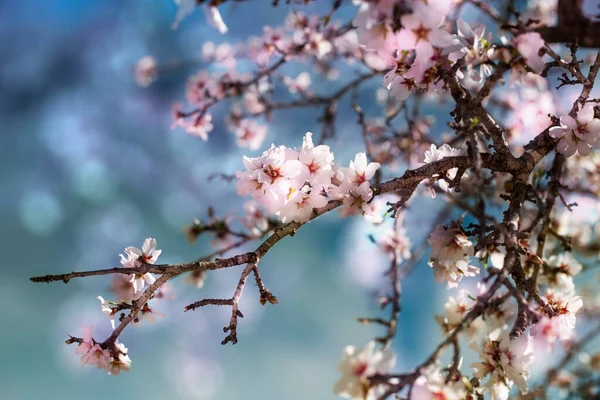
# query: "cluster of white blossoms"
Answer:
x=358 y=366
x=113 y=357
x=562 y=326
x=451 y=254
x=432 y=385
x=92 y=353
x=292 y=183
x=505 y=361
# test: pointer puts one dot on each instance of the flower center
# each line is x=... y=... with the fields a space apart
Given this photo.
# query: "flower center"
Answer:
x=360 y=369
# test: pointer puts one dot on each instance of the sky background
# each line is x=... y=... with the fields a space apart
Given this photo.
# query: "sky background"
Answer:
x=90 y=165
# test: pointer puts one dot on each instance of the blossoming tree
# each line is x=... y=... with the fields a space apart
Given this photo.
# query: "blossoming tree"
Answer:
x=519 y=153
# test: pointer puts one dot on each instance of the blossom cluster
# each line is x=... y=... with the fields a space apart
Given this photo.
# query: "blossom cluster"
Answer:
x=113 y=356
x=424 y=49
x=92 y=353
x=451 y=254
x=301 y=38
x=417 y=49
x=292 y=183
x=357 y=367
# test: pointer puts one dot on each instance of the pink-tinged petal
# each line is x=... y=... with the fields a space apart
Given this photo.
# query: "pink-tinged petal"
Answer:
x=570 y=151
x=536 y=64
x=154 y=257
x=440 y=38
x=574 y=304
x=410 y=21
x=563 y=146
x=148 y=246
x=87 y=334
x=303 y=214
x=292 y=168
x=586 y=114
x=149 y=278
x=399 y=91
x=556 y=132
x=593 y=127
x=388 y=78
x=371 y=169
x=137 y=284
x=360 y=163
x=133 y=252
x=568 y=122
x=583 y=148
x=318 y=201
x=405 y=39
x=364 y=191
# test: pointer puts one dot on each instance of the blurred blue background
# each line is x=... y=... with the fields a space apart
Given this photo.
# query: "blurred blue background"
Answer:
x=90 y=165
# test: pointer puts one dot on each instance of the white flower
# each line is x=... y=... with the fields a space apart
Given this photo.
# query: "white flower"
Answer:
x=298 y=84
x=318 y=162
x=318 y=45
x=451 y=252
x=436 y=154
x=250 y=134
x=200 y=127
x=396 y=244
x=136 y=257
x=431 y=385
x=145 y=71
x=107 y=311
x=577 y=134
x=354 y=188
x=122 y=362
x=356 y=367
x=505 y=361
x=147 y=255
x=559 y=274
x=455 y=310
x=422 y=29
x=300 y=205
x=254 y=219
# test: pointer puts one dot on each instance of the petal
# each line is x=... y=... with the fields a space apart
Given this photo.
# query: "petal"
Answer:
x=154 y=257
x=563 y=146
x=318 y=201
x=583 y=148
x=570 y=150
x=149 y=278
x=568 y=122
x=593 y=127
x=556 y=132
x=292 y=168
x=133 y=252
x=574 y=304
x=360 y=163
x=148 y=246
x=464 y=29
x=440 y=38
x=586 y=114
x=371 y=169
